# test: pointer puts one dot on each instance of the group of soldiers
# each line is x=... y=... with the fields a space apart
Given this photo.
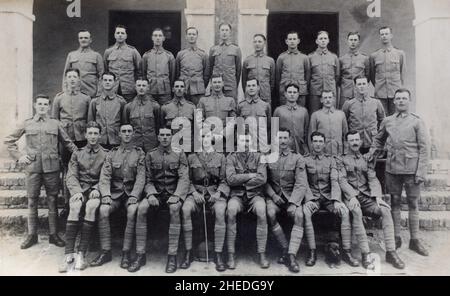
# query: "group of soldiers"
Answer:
x=112 y=126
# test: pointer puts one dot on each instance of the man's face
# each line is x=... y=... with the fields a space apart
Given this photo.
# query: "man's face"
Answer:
x=217 y=84
x=191 y=36
x=178 y=89
x=292 y=40
x=120 y=34
x=165 y=137
x=126 y=133
x=354 y=141
x=318 y=143
x=386 y=36
x=283 y=137
x=158 y=38
x=258 y=43
x=245 y=141
x=84 y=39
x=207 y=140
x=72 y=79
x=141 y=87
x=92 y=135
x=401 y=101
x=252 y=87
x=224 y=32
x=362 y=86
x=292 y=94
x=107 y=82
x=42 y=105
x=327 y=99
x=322 y=40
x=353 y=42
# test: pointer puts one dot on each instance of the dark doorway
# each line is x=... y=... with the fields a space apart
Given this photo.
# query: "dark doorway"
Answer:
x=140 y=25
x=307 y=25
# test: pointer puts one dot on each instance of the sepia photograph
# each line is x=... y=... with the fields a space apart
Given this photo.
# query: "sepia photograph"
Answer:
x=224 y=138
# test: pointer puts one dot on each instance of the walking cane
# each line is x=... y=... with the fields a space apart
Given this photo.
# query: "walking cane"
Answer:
x=204 y=222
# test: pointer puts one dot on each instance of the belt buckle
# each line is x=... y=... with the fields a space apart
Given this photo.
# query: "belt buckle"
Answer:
x=206 y=182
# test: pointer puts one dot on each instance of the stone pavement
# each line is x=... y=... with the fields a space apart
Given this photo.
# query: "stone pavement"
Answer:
x=43 y=259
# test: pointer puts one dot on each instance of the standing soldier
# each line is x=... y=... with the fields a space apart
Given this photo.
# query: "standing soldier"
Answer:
x=324 y=71
x=246 y=176
x=387 y=70
x=208 y=185
x=323 y=180
x=122 y=180
x=89 y=62
x=167 y=184
x=225 y=59
x=406 y=141
x=192 y=66
x=286 y=188
x=295 y=118
x=71 y=108
x=107 y=110
x=158 y=65
x=330 y=122
x=259 y=66
x=42 y=165
x=364 y=114
x=293 y=67
x=353 y=64
x=366 y=189
x=124 y=61
x=82 y=181
x=143 y=113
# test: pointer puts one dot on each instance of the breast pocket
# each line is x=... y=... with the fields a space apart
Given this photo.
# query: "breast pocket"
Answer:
x=395 y=64
x=197 y=171
x=73 y=62
x=289 y=171
x=32 y=138
x=51 y=138
x=117 y=169
x=90 y=64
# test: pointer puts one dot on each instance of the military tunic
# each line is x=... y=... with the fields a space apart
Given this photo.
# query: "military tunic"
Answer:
x=159 y=67
x=353 y=64
x=260 y=66
x=296 y=119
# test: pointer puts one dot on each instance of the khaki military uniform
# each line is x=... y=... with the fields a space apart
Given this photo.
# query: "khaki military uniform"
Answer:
x=260 y=66
x=353 y=64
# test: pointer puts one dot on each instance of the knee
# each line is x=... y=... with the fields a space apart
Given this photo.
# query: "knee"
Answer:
x=142 y=209
x=307 y=214
x=75 y=207
x=174 y=210
x=357 y=213
x=298 y=217
x=131 y=212
x=92 y=205
x=231 y=212
x=260 y=210
x=219 y=211
x=186 y=210
x=104 y=210
x=344 y=213
x=413 y=203
x=271 y=215
x=51 y=199
x=396 y=200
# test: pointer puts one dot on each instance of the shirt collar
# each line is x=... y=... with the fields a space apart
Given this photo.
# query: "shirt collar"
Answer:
x=217 y=95
x=118 y=45
x=251 y=100
x=158 y=50
x=193 y=48
x=258 y=54
x=95 y=148
x=326 y=111
x=317 y=155
x=354 y=52
x=388 y=48
x=401 y=114
x=322 y=51
x=362 y=98
x=104 y=96
x=164 y=150
x=285 y=153
x=356 y=154
x=141 y=100
x=291 y=107
x=87 y=49
x=294 y=51
x=179 y=102
x=126 y=146
x=38 y=117
x=227 y=43
x=72 y=92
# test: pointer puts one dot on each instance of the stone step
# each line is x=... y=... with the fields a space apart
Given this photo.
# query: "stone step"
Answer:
x=14 y=221
x=436 y=200
x=17 y=199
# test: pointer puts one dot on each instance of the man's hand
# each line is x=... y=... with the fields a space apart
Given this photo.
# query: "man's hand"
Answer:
x=369 y=156
x=252 y=175
x=173 y=199
x=94 y=194
x=291 y=210
x=153 y=201
x=76 y=197
x=25 y=160
x=353 y=203
x=198 y=198
x=132 y=200
x=278 y=200
x=106 y=200
x=215 y=197
x=419 y=180
x=339 y=207
x=311 y=206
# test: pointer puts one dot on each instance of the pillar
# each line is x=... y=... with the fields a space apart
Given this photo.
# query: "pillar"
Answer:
x=200 y=14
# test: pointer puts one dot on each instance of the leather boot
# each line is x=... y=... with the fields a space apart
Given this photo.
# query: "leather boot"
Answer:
x=392 y=258
x=263 y=262
x=140 y=261
x=125 y=262
x=220 y=265
x=398 y=242
x=56 y=240
x=171 y=266
x=80 y=261
x=29 y=241
x=416 y=246
x=231 y=263
x=312 y=257
x=66 y=263
x=367 y=262
x=283 y=259
x=102 y=258
x=187 y=260
x=292 y=264
x=348 y=258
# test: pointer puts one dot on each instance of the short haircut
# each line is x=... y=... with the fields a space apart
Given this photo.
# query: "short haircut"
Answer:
x=120 y=27
x=322 y=32
x=164 y=128
x=385 y=27
x=142 y=78
x=327 y=92
x=157 y=29
x=284 y=129
x=354 y=33
x=292 y=85
x=250 y=79
x=127 y=123
x=317 y=134
x=72 y=70
x=94 y=124
x=41 y=96
x=360 y=77
x=109 y=73
x=225 y=24
x=177 y=80
x=216 y=76
x=400 y=90
x=84 y=31
x=191 y=28
x=260 y=35
x=351 y=132
x=292 y=32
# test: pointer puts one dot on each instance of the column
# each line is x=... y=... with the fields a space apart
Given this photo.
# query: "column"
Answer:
x=200 y=14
